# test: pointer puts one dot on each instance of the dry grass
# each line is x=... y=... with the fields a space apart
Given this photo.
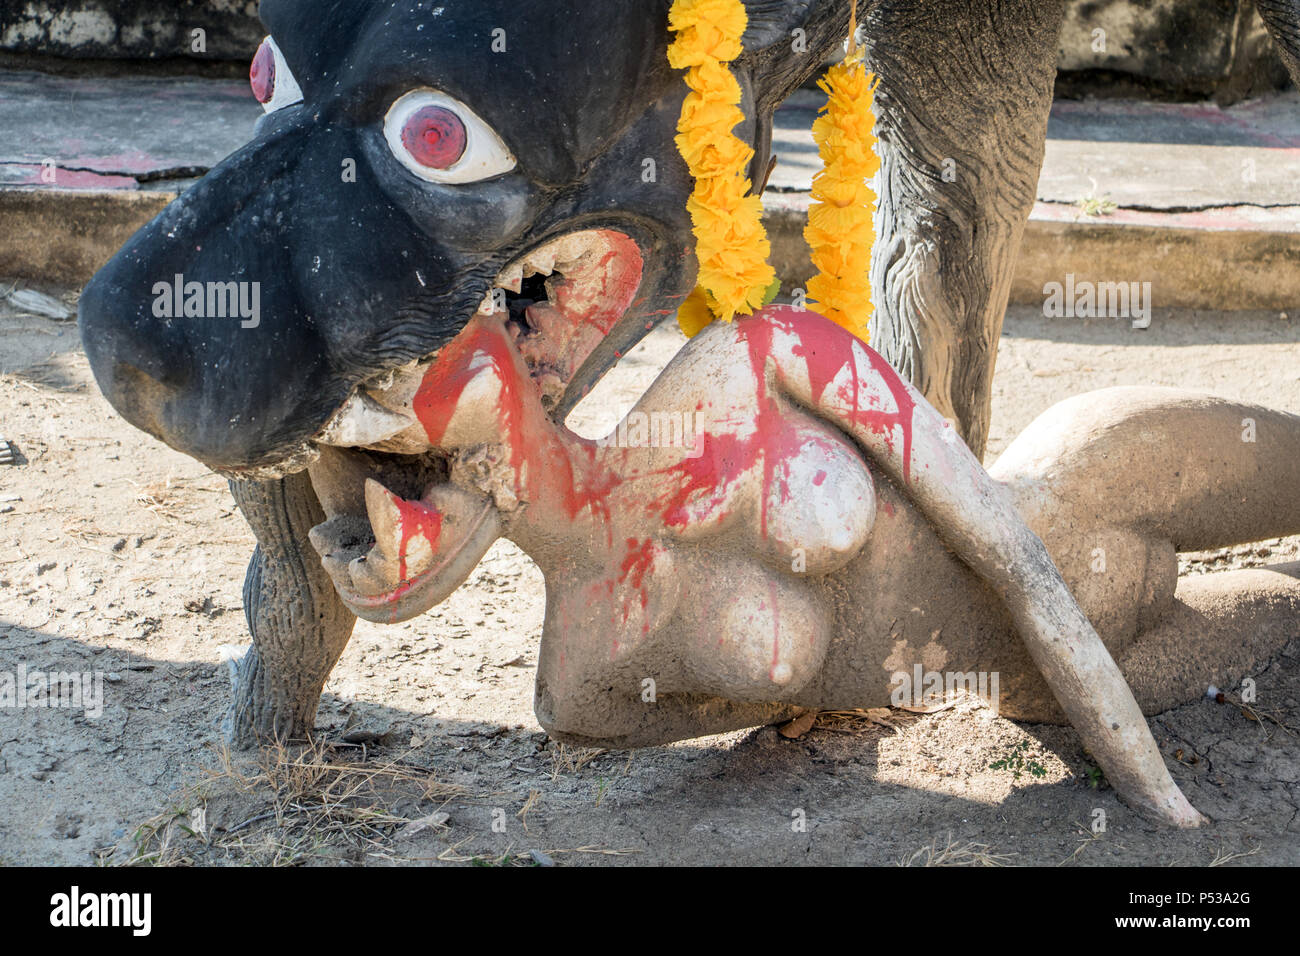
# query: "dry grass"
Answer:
x=453 y=854
x=1089 y=838
x=1221 y=858
x=565 y=759
x=320 y=803
x=534 y=797
x=159 y=499
x=952 y=854
x=1264 y=717
x=856 y=721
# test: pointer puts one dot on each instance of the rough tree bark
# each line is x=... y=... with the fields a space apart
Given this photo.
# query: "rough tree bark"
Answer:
x=965 y=91
x=298 y=623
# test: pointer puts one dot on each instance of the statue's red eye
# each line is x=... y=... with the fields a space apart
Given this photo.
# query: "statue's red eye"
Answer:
x=261 y=75
x=440 y=139
x=435 y=137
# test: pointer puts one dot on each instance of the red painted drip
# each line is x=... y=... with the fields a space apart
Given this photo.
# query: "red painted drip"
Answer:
x=776 y=441
x=725 y=458
x=443 y=385
x=586 y=487
x=618 y=272
x=903 y=402
x=417 y=519
x=563 y=473
x=826 y=349
x=638 y=561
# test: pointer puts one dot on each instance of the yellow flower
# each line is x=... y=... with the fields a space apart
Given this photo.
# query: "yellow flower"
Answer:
x=694 y=313
x=840 y=231
x=707 y=30
x=731 y=245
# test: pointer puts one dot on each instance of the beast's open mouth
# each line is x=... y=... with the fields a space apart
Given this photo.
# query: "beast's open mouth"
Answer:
x=399 y=538
x=404 y=555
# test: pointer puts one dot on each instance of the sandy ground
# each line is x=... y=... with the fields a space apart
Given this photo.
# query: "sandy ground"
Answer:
x=121 y=556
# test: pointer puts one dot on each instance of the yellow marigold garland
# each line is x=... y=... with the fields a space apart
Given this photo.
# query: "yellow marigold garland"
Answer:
x=840 y=230
x=730 y=243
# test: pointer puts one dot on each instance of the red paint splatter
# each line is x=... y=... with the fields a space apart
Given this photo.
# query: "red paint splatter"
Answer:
x=440 y=392
x=826 y=349
x=261 y=74
x=638 y=561
x=417 y=519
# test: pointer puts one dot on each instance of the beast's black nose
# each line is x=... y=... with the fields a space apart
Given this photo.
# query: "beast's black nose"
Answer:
x=131 y=364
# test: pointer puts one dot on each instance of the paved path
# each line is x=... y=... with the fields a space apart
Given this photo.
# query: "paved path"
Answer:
x=1206 y=200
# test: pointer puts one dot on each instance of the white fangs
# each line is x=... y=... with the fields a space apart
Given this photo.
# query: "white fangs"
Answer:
x=557 y=255
x=385 y=518
x=542 y=261
x=363 y=421
x=379 y=416
x=396 y=556
x=512 y=278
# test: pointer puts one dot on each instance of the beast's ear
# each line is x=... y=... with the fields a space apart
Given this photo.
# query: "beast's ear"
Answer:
x=787 y=41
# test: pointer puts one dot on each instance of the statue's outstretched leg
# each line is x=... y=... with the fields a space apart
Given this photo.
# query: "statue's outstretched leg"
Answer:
x=1222 y=627
x=298 y=623
x=825 y=370
x=1196 y=470
x=1118 y=481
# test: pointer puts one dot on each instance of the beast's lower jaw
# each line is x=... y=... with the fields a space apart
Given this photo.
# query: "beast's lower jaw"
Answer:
x=405 y=556
x=399 y=538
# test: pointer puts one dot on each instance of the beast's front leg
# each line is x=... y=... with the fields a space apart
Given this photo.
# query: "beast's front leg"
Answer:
x=965 y=92
x=299 y=624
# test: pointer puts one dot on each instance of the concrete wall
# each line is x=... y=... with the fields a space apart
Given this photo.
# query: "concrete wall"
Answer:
x=1188 y=47
x=131 y=29
x=1191 y=48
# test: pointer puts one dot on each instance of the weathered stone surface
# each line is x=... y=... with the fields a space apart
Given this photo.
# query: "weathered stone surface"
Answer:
x=1188 y=47
x=1183 y=47
x=142 y=127
x=132 y=29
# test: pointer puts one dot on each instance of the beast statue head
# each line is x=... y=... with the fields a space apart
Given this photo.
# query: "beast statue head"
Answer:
x=413 y=157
